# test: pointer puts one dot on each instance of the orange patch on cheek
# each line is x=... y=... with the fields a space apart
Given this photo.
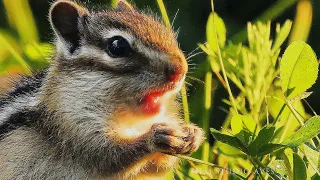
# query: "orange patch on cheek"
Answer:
x=152 y=103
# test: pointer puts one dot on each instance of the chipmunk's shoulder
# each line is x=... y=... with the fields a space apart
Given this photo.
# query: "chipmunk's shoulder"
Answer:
x=17 y=104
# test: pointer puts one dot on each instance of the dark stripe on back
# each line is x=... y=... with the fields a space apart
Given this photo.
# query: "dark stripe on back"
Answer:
x=27 y=85
x=17 y=120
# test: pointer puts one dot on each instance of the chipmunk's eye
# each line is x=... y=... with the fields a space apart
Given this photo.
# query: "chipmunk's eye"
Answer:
x=118 y=47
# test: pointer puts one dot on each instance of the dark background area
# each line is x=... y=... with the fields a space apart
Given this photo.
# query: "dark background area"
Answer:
x=191 y=20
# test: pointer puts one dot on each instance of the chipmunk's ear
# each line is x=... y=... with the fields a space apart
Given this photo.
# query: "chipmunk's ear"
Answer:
x=64 y=18
x=123 y=5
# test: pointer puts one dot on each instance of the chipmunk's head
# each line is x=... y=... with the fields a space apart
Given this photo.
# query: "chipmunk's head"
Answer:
x=121 y=57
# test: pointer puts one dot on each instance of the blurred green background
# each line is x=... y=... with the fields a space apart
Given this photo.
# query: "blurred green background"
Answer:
x=30 y=40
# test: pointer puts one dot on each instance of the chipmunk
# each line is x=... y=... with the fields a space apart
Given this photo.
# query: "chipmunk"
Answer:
x=106 y=107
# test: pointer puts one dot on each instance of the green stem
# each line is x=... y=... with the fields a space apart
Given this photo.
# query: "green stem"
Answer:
x=222 y=65
x=206 y=114
x=197 y=160
x=286 y=128
x=279 y=114
x=203 y=162
x=185 y=105
x=313 y=111
x=273 y=12
x=164 y=12
x=296 y=115
x=267 y=109
x=294 y=112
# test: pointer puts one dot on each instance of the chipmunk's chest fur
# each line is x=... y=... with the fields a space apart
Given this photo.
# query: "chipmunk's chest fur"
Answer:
x=130 y=125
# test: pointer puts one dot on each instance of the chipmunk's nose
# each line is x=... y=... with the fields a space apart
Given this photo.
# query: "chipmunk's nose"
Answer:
x=173 y=74
x=176 y=72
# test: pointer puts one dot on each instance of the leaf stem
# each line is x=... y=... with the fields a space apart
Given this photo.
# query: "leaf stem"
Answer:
x=221 y=79
x=164 y=13
x=222 y=65
x=206 y=113
x=313 y=111
x=296 y=115
x=294 y=112
x=279 y=114
x=203 y=162
x=185 y=105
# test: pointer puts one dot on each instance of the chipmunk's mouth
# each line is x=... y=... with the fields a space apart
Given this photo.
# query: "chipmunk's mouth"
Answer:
x=153 y=101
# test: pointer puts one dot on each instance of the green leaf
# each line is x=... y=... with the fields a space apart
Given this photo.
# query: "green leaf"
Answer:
x=206 y=48
x=230 y=140
x=309 y=130
x=315 y=177
x=244 y=128
x=286 y=118
x=299 y=168
x=269 y=148
x=240 y=122
x=295 y=166
x=215 y=66
x=279 y=166
x=313 y=157
x=298 y=69
x=303 y=95
x=229 y=151
x=220 y=29
x=264 y=137
x=282 y=34
x=288 y=161
x=236 y=124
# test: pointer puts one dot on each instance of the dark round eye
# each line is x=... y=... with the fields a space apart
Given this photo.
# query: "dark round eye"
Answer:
x=118 y=47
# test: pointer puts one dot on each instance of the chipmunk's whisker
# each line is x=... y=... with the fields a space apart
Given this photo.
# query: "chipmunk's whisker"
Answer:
x=176 y=33
x=192 y=64
x=174 y=19
x=197 y=48
x=188 y=84
x=193 y=68
x=193 y=55
x=195 y=79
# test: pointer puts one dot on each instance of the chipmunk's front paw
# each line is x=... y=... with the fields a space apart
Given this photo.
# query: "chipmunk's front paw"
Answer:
x=175 y=139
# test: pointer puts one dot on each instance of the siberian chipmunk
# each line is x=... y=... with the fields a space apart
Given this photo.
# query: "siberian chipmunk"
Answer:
x=106 y=107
